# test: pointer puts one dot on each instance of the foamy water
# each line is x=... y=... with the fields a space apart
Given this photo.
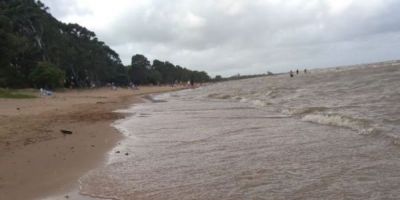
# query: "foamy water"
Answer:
x=330 y=134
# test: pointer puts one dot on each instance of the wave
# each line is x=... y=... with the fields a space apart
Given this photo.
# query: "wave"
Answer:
x=154 y=99
x=219 y=96
x=362 y=126
x=304 y=111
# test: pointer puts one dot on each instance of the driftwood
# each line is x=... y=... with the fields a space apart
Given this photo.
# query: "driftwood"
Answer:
x=65 y=132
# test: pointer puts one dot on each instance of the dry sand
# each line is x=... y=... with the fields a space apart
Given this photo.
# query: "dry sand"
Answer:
x=37 y=160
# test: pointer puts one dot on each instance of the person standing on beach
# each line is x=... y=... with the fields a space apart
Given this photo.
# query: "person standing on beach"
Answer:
x=297 y=71
x=291 y=73
x=191 y=83
x=305 y=70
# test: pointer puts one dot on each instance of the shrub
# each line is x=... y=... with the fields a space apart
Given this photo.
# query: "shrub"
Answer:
x=47 y=75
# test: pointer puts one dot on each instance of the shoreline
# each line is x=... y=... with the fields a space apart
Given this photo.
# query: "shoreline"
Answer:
x=39 y=161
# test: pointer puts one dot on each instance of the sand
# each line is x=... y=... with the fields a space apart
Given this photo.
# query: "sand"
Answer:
x=37 y=160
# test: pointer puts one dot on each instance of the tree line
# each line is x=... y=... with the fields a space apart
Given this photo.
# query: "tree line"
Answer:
x=37 y=50
x=159 y=72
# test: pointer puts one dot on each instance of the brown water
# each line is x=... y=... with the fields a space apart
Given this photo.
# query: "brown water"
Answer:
x=331 y=134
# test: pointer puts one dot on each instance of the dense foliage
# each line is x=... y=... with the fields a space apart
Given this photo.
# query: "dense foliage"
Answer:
x=30 y=36
x=162 y=72
x=46 y=75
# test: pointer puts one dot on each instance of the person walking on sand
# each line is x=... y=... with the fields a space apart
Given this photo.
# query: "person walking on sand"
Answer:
x=305 y=70
x=297 y=71
x=291 y=73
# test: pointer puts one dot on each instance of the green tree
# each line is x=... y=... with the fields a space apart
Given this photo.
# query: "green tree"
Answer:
x=139 y=60
x=140 y=69
x=47 y=75
x=218 y=78
x=154 y=77
x=29 y=34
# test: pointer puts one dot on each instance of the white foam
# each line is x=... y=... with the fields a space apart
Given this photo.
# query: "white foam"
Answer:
x=244 y=100
x=258 y=103
x=120 y=126
x=359 y=125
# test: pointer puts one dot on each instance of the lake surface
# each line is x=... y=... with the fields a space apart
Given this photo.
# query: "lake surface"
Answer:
x=328 y=134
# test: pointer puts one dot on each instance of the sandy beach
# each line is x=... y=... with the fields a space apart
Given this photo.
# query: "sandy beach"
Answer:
x=37 y=159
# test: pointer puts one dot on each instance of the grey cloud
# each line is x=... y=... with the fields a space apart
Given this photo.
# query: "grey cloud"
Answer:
x=238 y=36
x=63 y=8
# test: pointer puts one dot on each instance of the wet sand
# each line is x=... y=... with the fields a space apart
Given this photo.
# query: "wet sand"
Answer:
x=37 y=159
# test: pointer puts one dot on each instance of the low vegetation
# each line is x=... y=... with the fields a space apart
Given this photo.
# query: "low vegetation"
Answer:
x=13 y=94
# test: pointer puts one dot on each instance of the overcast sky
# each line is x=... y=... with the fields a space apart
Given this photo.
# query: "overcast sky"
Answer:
x=242 y=36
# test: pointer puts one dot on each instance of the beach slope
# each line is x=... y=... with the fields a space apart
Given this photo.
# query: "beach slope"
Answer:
x=47 y=143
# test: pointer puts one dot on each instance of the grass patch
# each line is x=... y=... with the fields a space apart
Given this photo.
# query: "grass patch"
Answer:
x=12 y=94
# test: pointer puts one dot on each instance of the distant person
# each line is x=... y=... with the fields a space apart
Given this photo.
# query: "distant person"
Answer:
x=291 y=73
x=72 y=85
x=113 y=87
x=297 y=71
x=132 y=86
x=87 y=81
x=305 y=71
x=191 y=83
